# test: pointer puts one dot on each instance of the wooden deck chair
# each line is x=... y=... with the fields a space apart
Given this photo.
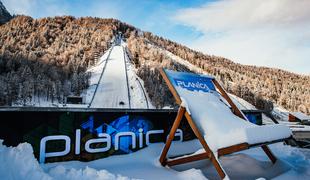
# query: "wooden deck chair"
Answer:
x=219 y=125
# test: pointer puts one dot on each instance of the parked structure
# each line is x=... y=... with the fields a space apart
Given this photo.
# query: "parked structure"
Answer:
x=75 y=100
x=298 y=117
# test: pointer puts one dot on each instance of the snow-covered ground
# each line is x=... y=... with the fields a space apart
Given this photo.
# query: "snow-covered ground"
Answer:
x=114 y=81
x=19 y=163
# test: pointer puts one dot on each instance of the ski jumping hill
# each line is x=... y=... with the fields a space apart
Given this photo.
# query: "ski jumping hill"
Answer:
x=114 y=83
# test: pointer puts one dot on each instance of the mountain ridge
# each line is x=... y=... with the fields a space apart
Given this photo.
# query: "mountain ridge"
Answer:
x=259 y=85
x=5 y=16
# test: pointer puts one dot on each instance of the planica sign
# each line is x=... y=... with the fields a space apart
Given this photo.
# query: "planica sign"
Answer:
x=87 y=134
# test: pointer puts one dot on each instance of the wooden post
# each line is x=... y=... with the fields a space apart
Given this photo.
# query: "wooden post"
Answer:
x=188 y=159
x=212 y=157
x=270 y=155
x=232 y=149
x=174 y=128
x=241 y=115
x=235 y=109
x=170 y=86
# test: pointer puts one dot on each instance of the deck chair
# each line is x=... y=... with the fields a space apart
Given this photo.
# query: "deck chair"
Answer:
x=219 y=125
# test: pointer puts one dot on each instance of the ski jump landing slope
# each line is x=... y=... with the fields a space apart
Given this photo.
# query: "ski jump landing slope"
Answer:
x=112 y=90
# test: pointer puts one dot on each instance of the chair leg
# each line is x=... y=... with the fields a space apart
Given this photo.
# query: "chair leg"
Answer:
x=270 y=155
x=217 y=166
x=174 y=128
x=212 y=157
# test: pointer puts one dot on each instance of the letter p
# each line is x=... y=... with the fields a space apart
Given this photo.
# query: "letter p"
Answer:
x=44 y=154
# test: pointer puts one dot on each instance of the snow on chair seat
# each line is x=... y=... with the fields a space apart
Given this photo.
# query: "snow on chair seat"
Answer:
x=220 y=127
x=216 y=121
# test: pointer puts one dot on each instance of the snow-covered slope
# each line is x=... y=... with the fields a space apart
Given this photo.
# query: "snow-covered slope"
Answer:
x=114 y=83
x=138 y=95
x=96 y=74
x=112 y=91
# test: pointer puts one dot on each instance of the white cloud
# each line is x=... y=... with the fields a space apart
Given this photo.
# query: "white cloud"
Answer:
x=271 y=33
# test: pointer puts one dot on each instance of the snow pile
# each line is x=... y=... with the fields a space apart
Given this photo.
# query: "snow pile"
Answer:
x=299 y=161
x=221 y=128
x=192 y=174
x=20 y=163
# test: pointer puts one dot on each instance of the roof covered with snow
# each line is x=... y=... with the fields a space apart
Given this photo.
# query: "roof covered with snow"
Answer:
x=301 y=115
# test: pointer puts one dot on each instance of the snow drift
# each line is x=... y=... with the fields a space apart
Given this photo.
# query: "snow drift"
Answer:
x=19 y=163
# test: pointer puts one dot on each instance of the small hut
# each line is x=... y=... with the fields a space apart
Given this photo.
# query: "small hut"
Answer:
x=75 y=100
x=298 y=117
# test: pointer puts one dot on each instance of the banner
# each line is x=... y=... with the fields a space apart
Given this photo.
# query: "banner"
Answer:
x=87 y=134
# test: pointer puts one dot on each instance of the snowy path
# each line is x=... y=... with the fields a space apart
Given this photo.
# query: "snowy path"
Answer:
x=112 y=90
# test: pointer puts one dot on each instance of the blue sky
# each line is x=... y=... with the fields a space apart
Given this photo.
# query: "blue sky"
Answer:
x=271 y=33
x=150 y=15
